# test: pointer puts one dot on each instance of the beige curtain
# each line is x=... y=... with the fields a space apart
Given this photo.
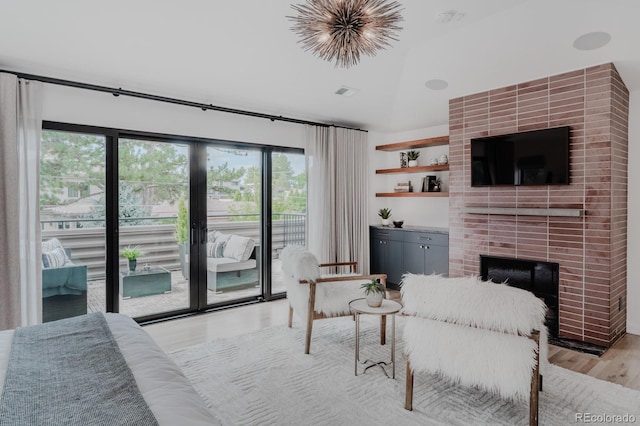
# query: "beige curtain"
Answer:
x=20 y=132
x=337 y=161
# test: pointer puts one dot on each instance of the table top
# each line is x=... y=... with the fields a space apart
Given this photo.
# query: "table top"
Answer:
x=388 y=307
x=141 y=271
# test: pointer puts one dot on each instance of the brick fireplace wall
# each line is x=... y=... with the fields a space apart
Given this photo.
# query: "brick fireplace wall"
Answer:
x=591 y=250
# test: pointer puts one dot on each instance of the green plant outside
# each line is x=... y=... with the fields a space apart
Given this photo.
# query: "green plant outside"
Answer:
x=131 y=253
x=182 y=222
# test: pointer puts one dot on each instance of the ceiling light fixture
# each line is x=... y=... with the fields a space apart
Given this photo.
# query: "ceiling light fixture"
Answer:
x=592 y=41
x=342 y=30
x=436 y=84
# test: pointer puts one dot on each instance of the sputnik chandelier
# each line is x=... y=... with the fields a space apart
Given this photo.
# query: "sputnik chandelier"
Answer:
x=342 y=30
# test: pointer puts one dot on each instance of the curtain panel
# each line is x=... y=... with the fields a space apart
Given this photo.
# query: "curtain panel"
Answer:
x=337 y=162
x=20 y=265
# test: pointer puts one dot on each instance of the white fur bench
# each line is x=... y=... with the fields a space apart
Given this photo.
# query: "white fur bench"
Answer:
x=475 y=333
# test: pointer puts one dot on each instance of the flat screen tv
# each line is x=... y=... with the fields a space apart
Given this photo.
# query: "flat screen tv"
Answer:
x=539 y=157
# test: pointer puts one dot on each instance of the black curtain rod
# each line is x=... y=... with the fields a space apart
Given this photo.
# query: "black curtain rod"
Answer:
x=119 y=91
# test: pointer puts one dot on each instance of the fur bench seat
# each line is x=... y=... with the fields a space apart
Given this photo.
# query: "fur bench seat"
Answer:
x=475 y=333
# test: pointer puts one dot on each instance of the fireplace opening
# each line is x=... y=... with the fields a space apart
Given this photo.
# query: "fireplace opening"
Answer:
x=540 y=278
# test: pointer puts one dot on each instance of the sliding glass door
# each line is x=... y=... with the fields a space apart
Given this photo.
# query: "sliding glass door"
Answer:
x=153 y=195
x=155 y=226
x=234 y=194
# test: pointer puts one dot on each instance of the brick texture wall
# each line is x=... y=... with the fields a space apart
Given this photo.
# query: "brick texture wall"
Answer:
x=591 y=250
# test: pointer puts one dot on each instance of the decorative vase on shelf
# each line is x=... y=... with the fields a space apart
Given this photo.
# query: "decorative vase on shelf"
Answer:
x=385 y=222
x=132 y=265
x=413 y=163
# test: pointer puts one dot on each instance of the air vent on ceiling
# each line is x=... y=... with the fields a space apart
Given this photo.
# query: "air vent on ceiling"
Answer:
x=346 y=91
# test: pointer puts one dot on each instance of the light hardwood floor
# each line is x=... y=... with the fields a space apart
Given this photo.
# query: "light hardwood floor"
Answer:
x=620 y=364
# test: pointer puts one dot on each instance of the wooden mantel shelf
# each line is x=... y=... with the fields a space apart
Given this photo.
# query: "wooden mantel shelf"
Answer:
x=417 y=169
x=412 y=194
x=420 y=143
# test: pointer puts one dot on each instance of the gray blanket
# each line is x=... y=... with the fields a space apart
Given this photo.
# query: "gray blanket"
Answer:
x=70 y=372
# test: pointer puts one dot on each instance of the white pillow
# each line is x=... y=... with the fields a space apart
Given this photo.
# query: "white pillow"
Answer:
x=216 y=248
x=239 y=248
x=55 y=258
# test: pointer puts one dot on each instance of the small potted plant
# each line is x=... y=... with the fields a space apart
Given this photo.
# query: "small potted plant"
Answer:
x=412 y=156
x=385 y=214
x=132 y=254
x=374 y=293
x=437 y=186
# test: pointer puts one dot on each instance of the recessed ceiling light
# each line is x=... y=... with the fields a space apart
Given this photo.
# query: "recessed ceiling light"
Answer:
x=592 y=41
x=448 y=16
x=436 y=84
x=346 y=91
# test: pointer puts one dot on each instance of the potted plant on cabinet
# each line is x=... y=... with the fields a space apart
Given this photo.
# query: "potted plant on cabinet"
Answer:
x=132 y=254
x=374 y=293
x=385 y=214
x=412 y=156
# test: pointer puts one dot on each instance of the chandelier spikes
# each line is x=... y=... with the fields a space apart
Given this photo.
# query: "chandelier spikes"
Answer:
x=342 y=30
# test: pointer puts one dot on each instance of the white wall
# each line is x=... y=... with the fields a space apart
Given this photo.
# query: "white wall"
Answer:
x=101 y=109
x=428 y=211
x=633 y=221
x=77 y=106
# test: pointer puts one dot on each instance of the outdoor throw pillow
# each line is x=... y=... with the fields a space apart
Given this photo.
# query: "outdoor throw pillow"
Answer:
x=216 y=248
x=55 y=258
x=239 y=248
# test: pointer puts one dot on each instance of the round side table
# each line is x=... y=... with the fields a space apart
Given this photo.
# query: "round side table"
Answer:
x=389 y=307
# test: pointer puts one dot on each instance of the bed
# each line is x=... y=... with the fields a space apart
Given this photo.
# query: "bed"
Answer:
x=166 y=391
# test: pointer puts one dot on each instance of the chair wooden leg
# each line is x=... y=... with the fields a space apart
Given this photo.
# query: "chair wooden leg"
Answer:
x=408 y=401
x=383 y=329
x=290 y=322
x=535 y=382
x=310 y=309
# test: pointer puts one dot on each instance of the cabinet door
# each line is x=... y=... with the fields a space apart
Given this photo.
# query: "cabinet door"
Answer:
x=436 y=260
x=393 y=261
x=377 y=261
x=413 y=258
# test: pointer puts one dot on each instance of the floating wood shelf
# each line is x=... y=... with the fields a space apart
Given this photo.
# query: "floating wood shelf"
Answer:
x=417 y=169
x=412 y=194
x=420 y=143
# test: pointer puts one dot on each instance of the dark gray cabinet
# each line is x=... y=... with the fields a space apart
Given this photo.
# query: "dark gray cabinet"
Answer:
x=386 y=253
x=426 y=253
x=397 y=251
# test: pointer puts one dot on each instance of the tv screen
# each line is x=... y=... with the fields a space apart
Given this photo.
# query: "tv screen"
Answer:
x=539 y=157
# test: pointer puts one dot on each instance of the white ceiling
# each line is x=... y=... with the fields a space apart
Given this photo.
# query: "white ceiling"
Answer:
x=242 y=53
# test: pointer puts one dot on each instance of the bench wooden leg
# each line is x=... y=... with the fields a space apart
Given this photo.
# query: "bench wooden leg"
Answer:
x=290 y=322
x=408 y=401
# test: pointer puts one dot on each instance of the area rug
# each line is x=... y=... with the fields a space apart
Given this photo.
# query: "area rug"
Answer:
x=264 y=378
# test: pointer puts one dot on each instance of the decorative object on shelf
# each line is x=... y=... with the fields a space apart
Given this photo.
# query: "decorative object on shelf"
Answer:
x=398 y=223
x=403 y=187
x=433 y=161
x=342 y=30
x=428 y=183
x=132 y=254
x=437 y=186
x=403 y=160
x=443 y=159
x=374 y=293
x=385 y=214
x=412 y=156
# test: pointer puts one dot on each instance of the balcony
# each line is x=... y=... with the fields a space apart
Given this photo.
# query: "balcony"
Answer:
x=161 y=250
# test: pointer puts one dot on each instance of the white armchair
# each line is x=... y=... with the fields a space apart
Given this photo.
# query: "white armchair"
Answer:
x=476 y=333
x=315 y=296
